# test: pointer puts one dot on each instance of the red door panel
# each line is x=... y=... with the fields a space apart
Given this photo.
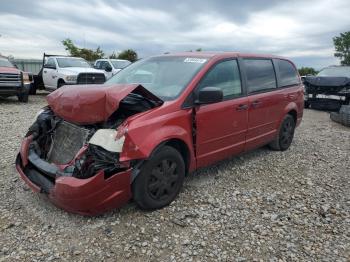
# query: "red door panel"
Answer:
x=264 y=113
x=221 y=130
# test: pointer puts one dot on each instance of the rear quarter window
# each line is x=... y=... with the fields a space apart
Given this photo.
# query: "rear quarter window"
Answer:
x=260 y=75
x=288 y=75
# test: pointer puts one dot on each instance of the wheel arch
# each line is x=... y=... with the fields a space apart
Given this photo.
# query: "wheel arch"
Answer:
x=60 y=80
x=183 y=149
x=180 y=146
x=294 y=114
x=290 y=109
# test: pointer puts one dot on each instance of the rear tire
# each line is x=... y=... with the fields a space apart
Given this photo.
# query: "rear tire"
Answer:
x=160 y=179
x=285 y=134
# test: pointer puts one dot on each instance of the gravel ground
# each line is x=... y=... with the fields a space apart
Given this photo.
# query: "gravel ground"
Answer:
x=263 y=205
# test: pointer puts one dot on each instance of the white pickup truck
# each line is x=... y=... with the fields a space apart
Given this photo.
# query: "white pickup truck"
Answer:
x=111 y=66
x=62 y=70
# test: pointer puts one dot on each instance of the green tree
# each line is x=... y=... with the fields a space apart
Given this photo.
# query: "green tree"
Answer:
x=342 y=47
x=87 y=54
x=307 y=71
x=128 y=54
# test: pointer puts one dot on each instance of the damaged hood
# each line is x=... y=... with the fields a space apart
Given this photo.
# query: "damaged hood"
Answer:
x=90 y=104
x=327 y=81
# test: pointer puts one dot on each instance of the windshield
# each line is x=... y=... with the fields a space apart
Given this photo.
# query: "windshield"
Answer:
x=120 y=64
x=5 y=63
x=343 y=71
x=72 y=62
x=164 y=76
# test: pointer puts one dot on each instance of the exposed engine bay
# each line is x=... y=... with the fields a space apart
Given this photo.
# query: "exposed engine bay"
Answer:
x=61 y=148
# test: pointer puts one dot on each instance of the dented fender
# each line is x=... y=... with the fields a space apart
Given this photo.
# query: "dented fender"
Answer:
x=142 y=140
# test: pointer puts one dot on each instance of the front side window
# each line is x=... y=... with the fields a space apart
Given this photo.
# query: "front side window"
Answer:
x=5 y=63
x=260 y=75
x=287 y=73
x=164 y=76
x=72 y=62
x=102 y=65
x=224 y=75
x=50 y=62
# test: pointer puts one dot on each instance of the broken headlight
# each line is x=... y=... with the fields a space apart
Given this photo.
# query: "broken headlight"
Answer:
x=107 y=139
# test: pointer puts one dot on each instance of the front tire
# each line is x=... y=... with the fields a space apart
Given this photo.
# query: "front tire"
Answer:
x=60 y=83
x=285 y=135
x=32 y=90
x=160 y=179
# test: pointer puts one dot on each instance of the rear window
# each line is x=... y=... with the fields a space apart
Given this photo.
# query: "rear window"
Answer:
x=287 y=73
x=260 y=75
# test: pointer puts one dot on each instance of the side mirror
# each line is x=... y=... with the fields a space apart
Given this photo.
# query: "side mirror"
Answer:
x=209 y=95
x=108 y=68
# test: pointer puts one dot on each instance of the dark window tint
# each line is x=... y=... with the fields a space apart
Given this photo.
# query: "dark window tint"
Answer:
x=98 y=65
x=103 y=65
x=50 y=62
x=287 y=73
x=260 y=74
x=224 y=75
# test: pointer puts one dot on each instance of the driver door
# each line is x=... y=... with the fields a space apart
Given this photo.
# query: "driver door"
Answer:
x=221 y=127
x=103 y=65
x=50 y=74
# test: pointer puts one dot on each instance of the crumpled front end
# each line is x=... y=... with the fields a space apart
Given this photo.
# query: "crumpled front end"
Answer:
x=327 y=93
x=77 y=164
x=56 y=159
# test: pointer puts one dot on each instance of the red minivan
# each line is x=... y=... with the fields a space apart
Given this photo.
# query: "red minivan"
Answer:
x=94 y=147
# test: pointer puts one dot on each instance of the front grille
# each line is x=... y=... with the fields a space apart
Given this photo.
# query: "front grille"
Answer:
x=91 y=78
x=10 y=78
x=68 y=139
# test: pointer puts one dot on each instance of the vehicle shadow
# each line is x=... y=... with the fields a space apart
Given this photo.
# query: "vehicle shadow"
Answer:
x=9 y=100
x=227 y=164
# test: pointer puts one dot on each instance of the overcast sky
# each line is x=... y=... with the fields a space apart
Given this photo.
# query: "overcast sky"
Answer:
x=300 y=30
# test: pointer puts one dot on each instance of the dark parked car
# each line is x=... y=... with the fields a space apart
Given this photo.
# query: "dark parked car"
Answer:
x=329 y=89
x=13 y=82
x=95 y=147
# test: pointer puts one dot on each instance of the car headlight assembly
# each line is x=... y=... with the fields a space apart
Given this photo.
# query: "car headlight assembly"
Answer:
x=71 y=78
x=107 y=139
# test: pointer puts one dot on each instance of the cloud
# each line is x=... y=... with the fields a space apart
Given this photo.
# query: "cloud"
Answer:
x=300 y=30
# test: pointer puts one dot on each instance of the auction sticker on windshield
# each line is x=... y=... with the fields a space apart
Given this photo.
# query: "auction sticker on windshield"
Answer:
x=195 y=60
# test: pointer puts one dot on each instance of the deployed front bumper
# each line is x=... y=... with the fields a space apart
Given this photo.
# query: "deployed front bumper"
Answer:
x=90 y=196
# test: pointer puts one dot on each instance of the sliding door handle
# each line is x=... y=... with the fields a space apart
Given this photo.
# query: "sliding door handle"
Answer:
x=242 y=107
x=256 y=103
